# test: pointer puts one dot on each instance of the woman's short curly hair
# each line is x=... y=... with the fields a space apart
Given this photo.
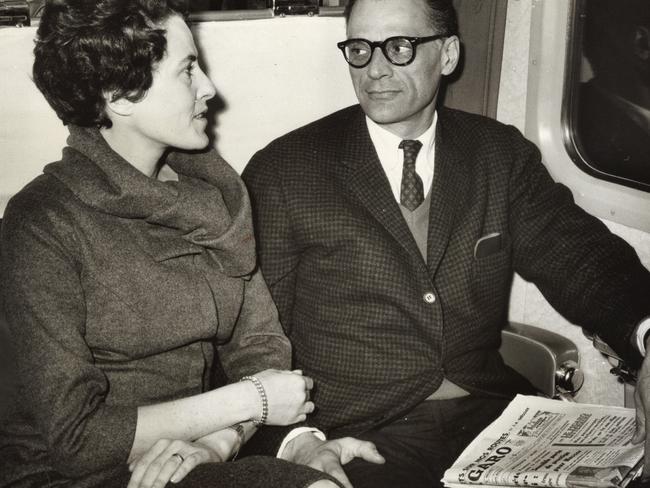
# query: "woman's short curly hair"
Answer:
x=87 y=49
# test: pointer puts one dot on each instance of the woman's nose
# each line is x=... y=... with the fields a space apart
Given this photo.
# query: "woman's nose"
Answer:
x=206 y=89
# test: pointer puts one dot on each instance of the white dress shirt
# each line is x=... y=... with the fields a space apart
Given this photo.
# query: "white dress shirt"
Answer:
x=392 y=157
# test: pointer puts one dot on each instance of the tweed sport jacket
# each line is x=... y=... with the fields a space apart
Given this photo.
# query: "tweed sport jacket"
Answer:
x=354 y=293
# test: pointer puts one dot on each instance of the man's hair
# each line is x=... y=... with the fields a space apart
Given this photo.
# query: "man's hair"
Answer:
x=88 y=49
x=442 y=16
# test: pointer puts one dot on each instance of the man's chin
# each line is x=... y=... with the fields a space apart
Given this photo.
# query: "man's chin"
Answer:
x=381 y=113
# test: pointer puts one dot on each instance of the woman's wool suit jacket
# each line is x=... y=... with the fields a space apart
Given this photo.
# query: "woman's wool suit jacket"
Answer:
x=122 y=291
x=376 y=325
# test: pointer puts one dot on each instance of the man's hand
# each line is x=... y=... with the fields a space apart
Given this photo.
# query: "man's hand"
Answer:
x=329 y=456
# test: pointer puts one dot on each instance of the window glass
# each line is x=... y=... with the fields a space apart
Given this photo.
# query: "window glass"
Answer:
x=36 y=6
x=205 y=5
x=609 y=102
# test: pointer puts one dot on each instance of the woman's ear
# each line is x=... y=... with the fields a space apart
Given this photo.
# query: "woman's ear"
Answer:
x=118 y=106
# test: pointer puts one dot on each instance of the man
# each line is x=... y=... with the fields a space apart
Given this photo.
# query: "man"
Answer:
x=614 y=106
x=393 y=283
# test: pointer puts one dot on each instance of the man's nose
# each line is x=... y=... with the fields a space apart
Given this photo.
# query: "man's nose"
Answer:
x=379 y=66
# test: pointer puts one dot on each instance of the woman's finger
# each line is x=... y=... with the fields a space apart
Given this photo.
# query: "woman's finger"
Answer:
x=162 y=468
x=171 y=465
x=191 y=462
x=198 y=456
x=140 y=466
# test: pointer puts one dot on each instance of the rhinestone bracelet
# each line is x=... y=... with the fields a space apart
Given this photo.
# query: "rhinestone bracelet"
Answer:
x=265 y=403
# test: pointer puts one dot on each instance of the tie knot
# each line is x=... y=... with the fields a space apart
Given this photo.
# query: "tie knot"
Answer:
x=411 y=149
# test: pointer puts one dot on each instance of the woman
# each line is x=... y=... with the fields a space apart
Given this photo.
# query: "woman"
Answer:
x=129 y=273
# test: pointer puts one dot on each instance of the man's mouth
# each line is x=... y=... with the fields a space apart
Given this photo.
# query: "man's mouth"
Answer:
x=382 y=94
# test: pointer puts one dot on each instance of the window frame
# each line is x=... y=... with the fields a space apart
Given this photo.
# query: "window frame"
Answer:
x=570 y=100
x=215 y=15
x=549 y=70
x=253 y=14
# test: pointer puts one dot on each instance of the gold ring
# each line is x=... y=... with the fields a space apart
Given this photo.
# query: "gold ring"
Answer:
x=179 y=457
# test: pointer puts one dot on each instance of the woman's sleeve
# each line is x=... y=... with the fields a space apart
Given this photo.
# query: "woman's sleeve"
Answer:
x=258 y=341
x=62 y=391
x=279 y=253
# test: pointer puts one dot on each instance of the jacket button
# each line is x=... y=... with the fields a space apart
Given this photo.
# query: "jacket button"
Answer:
x=429 y=297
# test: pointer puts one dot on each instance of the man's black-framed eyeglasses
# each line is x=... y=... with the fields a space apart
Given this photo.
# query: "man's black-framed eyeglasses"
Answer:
x=399 y=50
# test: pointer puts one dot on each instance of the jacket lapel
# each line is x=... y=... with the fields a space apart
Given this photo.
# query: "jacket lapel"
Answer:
x=364 y=177
x=448 y=191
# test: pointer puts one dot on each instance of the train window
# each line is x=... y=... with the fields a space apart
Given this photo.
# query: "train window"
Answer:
x=608 y=102
x=565 y=85
x=205 y=10
x=201 y=5
x=206 y=5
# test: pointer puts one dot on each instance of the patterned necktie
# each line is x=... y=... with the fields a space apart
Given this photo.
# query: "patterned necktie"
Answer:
x=412 y=191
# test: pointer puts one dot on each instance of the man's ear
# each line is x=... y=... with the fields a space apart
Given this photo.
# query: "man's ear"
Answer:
x=450 y=55
x=120 y=106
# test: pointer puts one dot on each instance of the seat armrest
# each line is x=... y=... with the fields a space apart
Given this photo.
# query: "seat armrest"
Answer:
x=548 y=360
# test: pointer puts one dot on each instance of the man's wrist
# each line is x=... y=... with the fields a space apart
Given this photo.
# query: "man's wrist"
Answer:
x=297 y=439
x=641 y=334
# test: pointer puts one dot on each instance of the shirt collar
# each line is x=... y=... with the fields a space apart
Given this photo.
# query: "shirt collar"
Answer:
x=386 y=143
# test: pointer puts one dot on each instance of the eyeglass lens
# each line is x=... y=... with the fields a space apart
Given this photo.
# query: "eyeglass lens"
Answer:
x=398 y=50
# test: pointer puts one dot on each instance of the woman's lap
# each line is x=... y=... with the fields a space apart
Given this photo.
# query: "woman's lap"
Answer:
x=250 y=472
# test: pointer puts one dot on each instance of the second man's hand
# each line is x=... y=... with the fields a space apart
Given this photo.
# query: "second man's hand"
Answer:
x=330 y=456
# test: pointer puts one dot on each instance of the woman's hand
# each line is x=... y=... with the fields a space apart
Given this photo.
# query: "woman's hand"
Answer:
x=169 y=460
x=227 y=442
x=287 y=394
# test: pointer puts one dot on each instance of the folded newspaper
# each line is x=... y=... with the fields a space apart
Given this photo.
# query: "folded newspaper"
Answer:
x=549 y=443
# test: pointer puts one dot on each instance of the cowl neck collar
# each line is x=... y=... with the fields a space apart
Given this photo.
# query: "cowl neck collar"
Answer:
x=208 y=206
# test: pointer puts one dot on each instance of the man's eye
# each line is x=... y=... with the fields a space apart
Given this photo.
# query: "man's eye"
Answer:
x=401 y=49
x=358 y=50
x=189 y=69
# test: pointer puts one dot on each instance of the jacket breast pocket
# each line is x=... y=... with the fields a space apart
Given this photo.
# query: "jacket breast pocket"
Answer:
x=491 y=278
